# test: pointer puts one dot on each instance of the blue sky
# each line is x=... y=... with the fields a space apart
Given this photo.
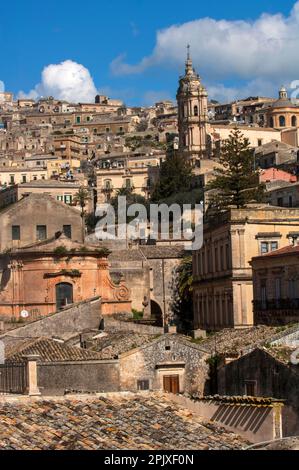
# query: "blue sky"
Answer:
x=116 y=41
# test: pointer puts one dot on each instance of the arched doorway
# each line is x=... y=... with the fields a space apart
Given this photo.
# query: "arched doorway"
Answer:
x=156 y=313
x=64 y=295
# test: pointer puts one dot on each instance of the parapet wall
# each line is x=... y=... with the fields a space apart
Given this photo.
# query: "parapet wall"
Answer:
x=73 y=319
x=255 y=422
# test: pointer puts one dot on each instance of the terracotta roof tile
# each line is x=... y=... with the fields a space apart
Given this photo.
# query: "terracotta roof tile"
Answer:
x=49 y=351
x=123 y=421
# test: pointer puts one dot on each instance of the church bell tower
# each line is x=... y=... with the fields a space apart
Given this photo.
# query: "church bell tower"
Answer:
x=192 y=99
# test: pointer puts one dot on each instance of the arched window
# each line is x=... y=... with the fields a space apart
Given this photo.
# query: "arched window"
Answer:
x=195 y=110
x=107 y=184
x=271 y=122
x=294 y=121
x=64 y=295
x=282 y=121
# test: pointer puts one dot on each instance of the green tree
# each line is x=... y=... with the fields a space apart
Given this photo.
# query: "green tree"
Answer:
x=184 y=303
x=237 y=182
x=81 y=198
x=175 y=176
x=131 y=198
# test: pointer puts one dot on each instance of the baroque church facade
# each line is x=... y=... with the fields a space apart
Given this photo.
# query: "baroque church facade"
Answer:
x=200 y=138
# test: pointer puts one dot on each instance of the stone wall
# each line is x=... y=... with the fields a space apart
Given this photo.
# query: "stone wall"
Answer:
x=272 y=378
x=136 y=276
x=165 y=356
x=87 y=376
x=255 y=423
x=37 y=210
x=72 y=319
x=111 y=322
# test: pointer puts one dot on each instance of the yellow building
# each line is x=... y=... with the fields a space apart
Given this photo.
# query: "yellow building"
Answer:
x=13 y=175
x=282 y=114
x=60 y=166
x=276 y=285
x=131 y=172
x=223 y=292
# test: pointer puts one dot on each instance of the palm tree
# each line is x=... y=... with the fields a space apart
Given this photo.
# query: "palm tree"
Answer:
x=80 y=199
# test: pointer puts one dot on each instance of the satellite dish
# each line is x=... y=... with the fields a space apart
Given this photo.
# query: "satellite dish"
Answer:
x=24 y=314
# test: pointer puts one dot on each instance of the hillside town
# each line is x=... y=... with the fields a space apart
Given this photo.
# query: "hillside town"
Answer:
x=144 y=342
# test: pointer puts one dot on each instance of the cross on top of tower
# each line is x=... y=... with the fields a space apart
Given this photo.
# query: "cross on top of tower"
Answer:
x=189 y=65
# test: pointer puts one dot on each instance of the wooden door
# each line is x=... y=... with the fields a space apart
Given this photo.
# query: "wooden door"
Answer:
x=171 y=384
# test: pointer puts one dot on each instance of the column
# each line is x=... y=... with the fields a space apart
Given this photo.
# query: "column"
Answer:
x=32 y=385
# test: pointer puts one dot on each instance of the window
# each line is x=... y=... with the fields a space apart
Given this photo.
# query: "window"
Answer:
x=216 y=260
x=264 y=248
x=68 y=199
x=41 y=232
x=292 y=289
x=24 y=179
x=108 y=184
x=128 y=184
x=195 y=110
x=88 y=118
x=16 y=232
x=34 y=177
x=278 y=289
x=260 y=142
x=121 y=129
x=12 y=179
x=142 y=384
x=221 y=259
x=227 y=256
x=67 y=230
x=250 y=388
x=59 y=198
x=282 y=121
x=267 y=247
x=294 y=121
x=78 y=119
x=264 y=294
x=107 y=129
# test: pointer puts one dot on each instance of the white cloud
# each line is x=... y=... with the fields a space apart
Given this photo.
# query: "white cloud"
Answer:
x=256 y=87
x=68 y=81
x=263 y=50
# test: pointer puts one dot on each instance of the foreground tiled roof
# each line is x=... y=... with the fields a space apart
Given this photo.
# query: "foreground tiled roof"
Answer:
x=120 y=421
x=48 y=351
x=242 y=400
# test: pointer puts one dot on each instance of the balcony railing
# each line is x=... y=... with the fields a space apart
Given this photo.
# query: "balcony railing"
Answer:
x=279 y=304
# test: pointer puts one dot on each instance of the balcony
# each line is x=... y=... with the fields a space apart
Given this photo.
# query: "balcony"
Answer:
x=279 y=304
x=276 y=312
